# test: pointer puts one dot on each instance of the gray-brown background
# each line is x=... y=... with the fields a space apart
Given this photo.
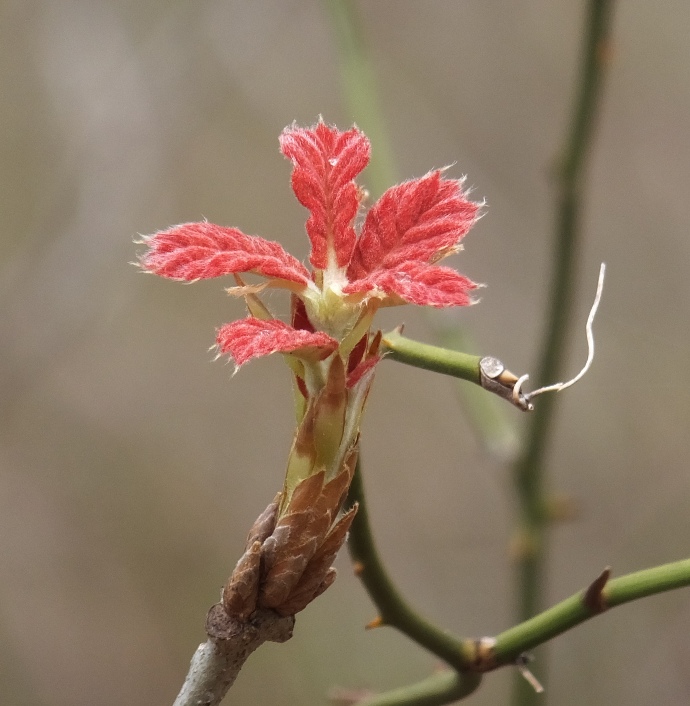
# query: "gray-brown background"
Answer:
x=131 y=467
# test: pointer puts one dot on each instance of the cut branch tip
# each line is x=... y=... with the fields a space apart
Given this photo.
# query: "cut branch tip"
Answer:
x=495 y=378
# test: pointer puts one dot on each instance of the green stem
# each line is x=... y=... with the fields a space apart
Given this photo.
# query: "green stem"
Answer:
x=394 y=611
x=574 y=610
x=487 y=414
x=454 y=685
x=436 y=690
x=528 y=471
x=438 y=360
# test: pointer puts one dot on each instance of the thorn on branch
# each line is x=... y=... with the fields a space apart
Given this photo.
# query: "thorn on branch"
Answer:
x=594 y=594
x=377 y=622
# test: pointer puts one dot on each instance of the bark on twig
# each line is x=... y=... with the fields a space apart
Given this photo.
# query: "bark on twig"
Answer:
x=217 y=662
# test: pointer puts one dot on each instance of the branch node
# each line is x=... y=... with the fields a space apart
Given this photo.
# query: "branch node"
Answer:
x=481 y=654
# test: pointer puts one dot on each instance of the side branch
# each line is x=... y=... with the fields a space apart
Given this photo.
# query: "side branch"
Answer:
x=394 y=611
x=487 y=372
x=441 y=688
x=438 y=360
x=601 y=595
x=469 y=658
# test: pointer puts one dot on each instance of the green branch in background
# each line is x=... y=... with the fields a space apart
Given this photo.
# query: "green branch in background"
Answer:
x=359 y=86
x=469 y=658
x=600 y=596
x=441 y=688
x=528 y=470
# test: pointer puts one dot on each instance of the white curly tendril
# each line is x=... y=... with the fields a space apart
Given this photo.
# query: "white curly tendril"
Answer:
x=557 y=387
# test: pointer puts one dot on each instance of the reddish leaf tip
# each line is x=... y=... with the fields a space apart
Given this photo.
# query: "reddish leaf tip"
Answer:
x=325 y=164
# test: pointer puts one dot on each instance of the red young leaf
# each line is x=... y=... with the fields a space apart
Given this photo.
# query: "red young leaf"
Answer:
x=326 y=161
x=193 y=251
x=361 y=370
x=300 y=318
x=417 y=283
x=251 y=338
x=418 y=221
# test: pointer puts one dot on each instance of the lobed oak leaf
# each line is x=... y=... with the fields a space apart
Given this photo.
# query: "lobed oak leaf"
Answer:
x=417 y=283
x=251 y=338
x=326 y=161
x=203 y=250
x=420 y=221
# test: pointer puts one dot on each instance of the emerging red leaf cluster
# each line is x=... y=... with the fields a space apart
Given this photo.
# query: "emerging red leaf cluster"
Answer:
x=393 y=261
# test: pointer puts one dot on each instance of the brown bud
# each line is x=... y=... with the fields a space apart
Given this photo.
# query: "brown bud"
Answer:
x=318 y=574
x=302 y=597
x=295 y=539
x=298 y=555
x=241 y=591
x=265 y=523
x=289 y=553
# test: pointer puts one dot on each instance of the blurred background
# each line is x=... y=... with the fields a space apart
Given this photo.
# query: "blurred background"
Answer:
x=131 y=466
